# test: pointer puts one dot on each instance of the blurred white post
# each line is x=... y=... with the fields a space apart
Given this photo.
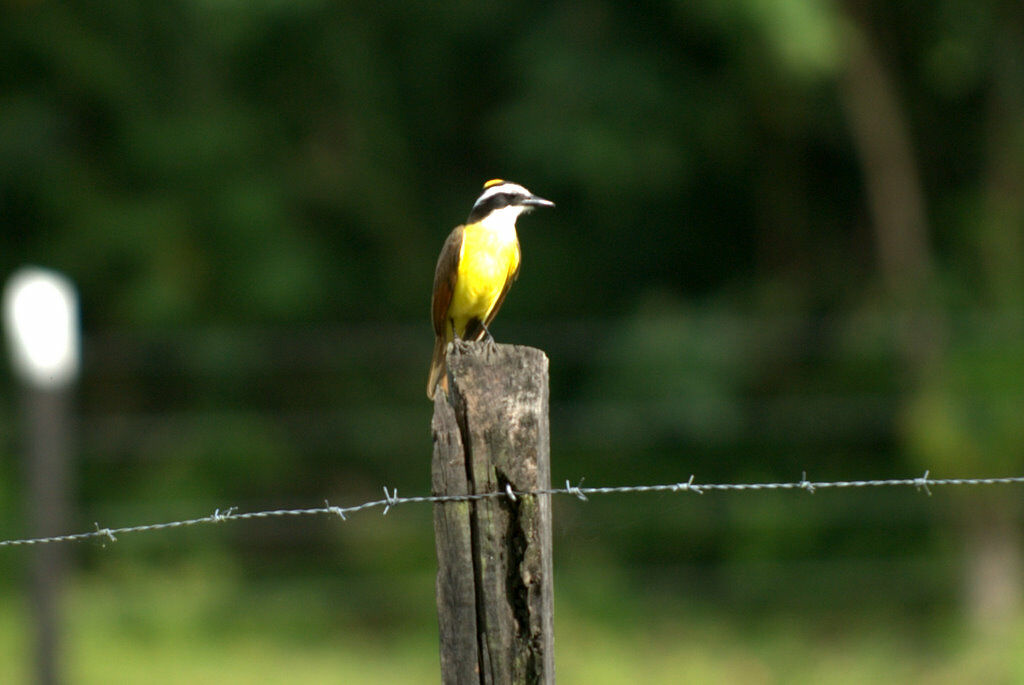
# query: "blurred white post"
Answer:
x=40 y=314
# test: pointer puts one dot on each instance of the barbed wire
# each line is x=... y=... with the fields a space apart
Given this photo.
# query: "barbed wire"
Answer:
x=391 y=499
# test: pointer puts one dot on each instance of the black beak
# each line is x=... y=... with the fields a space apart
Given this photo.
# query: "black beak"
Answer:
x=535 y=201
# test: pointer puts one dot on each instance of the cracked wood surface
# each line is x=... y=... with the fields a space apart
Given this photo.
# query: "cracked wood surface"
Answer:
x=494 y=582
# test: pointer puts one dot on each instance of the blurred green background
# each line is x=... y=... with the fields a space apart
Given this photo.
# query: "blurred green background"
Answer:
x=789 y=237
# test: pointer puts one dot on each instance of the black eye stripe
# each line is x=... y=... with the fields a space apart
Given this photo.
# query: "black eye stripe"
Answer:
x=499 y=200
x=495 y=202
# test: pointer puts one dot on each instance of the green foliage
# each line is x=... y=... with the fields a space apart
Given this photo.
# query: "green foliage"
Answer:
x=189 y=624
x=966 y=414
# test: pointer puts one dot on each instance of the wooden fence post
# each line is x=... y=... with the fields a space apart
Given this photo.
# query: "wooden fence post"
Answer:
x=494 y=582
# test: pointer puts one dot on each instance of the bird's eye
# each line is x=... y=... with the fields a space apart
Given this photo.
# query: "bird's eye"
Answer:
x=502 y=200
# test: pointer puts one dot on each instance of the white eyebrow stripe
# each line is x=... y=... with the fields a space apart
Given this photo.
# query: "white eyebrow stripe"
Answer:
x=513 y=188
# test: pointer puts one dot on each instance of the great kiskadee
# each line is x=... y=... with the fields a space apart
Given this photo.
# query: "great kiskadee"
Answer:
x=478 y=263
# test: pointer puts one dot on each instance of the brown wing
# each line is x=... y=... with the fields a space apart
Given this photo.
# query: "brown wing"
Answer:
x=445 y=275
x=504 y=291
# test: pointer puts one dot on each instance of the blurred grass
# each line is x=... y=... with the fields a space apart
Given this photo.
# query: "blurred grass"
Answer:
x=198 y=623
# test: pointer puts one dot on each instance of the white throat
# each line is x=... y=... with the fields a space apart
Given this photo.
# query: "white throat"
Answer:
x=503 y=221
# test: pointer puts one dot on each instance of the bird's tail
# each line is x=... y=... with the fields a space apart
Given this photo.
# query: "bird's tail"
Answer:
x=437 y=368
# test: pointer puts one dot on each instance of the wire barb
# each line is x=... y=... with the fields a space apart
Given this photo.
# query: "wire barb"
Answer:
x=391 y=498
x=104 y=532
x=337 y=511
x=575 y=490
x=688 y=486
x=219 y=517
x=922 y=483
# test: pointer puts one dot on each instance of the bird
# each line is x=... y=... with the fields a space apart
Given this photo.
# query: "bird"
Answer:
x=477 y=265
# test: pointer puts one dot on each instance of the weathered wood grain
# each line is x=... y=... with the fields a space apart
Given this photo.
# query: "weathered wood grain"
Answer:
x=494 y=583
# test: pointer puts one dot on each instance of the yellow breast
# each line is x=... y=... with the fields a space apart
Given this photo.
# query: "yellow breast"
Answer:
x=488 y=258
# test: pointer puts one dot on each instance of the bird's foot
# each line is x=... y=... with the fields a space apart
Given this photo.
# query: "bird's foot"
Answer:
x=463 y=346
x=489 y=347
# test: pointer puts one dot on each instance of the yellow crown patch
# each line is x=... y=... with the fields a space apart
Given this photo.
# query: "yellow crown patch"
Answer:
x=493 y=182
